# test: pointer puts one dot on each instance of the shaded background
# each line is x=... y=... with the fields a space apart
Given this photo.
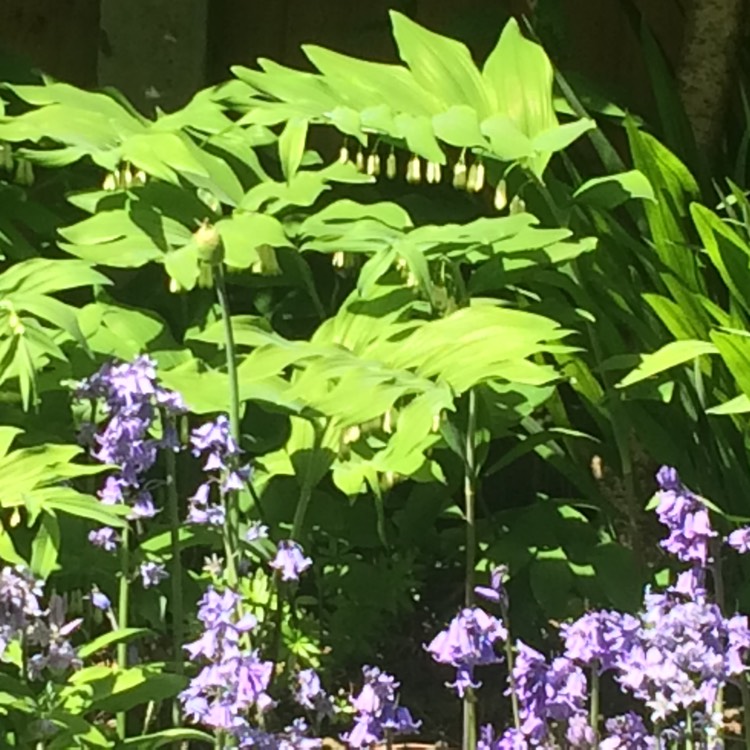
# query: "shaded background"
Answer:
x=160 y=51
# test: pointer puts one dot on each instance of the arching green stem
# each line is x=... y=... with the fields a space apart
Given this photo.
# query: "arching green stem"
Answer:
x=469 y=701
x=123 y=614
x=176 y=572
x=231 y=508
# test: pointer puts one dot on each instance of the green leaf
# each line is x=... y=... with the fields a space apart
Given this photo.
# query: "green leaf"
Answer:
x=292 y=146
x=612 y=190
x=176 y=737
x=672 y=354
x=163 y=155
x=45 y=547
x=420 y=138
x=735 y=351
x=459 y=126
x=7 y=435
x=243 y=232
x=125 y=689
x=738 y=405
x=67 y=500
x=728 y=251
x=442 y=66
x=518 y=77
x=507 y=141
x=112 y=638
x=8 y=552
x=182 y=265
x=552 y=582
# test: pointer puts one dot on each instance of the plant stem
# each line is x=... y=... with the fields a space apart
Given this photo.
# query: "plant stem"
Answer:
x=745 y=690
x=177 y=604
x=234 y=392
x=123 y=607
x=594 y=707
x=510 y=659
x=689 y=731
x=231 y=529
x=469 y=701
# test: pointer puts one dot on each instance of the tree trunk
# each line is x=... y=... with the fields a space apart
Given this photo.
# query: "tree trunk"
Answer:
x=709 y=56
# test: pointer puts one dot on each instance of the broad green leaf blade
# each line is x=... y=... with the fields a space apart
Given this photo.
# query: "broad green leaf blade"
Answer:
x=440 y=65
x=45 y=547
x=672 y=354
x=292 y=146
x=735 y=351
x=175 y=737
x=518 y=74
x=123 y=635
x=612 y=190
x=738 y=405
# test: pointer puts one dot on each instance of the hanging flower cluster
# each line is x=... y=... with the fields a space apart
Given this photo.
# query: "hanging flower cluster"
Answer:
x=378 y=714
x=214 y=442
x=132 y=402
x=234 y=680
x=674 y=657
x=42 y=633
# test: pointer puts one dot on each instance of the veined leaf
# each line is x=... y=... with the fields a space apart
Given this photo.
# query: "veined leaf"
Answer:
x=672 y=354
x=738 y=405
x=292 y=146
x=612 y=190
x=442 y=66
x=123 y=635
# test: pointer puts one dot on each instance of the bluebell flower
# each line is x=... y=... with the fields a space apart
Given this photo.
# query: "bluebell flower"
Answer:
x=309 y=693
x=99 y=600
x=256 y=531
x=739 y=539
x=377 y=711
x=234 y=680
x=105 y=538
x=152 y=574
x=495 y=592
x=468 y=641
x=290 y=560
x=214 y=441
x=132 y=401
x=627 y=732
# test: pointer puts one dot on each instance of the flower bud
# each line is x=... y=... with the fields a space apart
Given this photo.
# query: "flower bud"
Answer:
x=359 y=161
x=126 y=177
x=475 y=180
x=501 y=195
x=343 y=155
x=414 y=171
x=28 y=168
x=268 y=263
x=175 y=287
x=208 y=242
x=391 y=168
x=109 y=183
x=140 y=177
x=373 y=164
x=459 y=174
x=517 y=205
x=351 y=434
x=338 y=259
x=6 y=157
